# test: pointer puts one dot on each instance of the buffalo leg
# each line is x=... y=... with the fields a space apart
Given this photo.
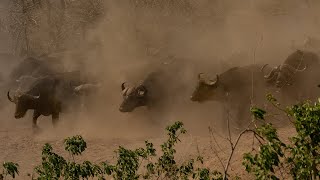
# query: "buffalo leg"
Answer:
x=55 y=119
x=35 y=117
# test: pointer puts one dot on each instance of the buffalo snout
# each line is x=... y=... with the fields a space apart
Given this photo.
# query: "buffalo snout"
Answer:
x=192 y=98
x=122 y=109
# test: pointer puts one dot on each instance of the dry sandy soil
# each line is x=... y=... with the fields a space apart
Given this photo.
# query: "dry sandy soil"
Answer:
x=19 y=144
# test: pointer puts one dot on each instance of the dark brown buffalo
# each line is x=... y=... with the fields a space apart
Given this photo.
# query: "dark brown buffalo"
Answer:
x=297 y=62
x=296 y=76
x=147 y=93
x=237 y=88
x=49 y=95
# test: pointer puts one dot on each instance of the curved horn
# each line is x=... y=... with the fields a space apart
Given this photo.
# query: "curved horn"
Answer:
x=10 y=99
x=214 y=83
x=271 y=74
x=291 y=68
x=262 y=68
x=123 y=86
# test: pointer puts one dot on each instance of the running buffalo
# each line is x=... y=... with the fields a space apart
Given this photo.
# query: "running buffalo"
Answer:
x=144 y=94
x=237 y=88
x=49 y=95
x=296 y=76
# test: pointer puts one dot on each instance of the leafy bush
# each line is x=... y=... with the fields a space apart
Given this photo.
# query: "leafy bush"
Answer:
x=299 y=159
x=128 y=165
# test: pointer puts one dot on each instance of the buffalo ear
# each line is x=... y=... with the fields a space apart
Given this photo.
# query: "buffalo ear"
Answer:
x=142 y=91
x=200 y=76
x=214 y=83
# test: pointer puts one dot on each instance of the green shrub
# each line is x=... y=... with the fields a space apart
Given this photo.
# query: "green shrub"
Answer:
x=299 y=159
x=128 y=165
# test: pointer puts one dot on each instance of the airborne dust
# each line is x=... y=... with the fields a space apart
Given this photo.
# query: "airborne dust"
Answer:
x=129 y=42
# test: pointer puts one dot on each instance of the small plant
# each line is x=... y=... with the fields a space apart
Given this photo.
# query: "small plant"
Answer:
x=75 y=145
x=9 y=169
x=54 y=166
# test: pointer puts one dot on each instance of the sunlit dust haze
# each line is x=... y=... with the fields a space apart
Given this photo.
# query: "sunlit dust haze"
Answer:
x=134 y=38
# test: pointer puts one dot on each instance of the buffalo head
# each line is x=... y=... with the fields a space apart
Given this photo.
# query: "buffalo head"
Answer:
x=204 y=89
x=23 y=102
x=286 y=74
x=272 y=76
x=282 y=75
x=133 y=97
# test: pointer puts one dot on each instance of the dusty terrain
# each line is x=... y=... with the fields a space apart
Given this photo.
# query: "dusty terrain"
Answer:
x=264 y=32
x=19 y=144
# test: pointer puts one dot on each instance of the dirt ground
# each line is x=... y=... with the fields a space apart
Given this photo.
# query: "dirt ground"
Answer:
x=19 y=144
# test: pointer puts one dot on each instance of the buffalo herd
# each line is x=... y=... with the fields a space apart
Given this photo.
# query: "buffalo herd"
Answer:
x=43 y=85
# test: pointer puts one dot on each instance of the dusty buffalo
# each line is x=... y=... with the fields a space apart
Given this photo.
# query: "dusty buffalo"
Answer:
x=296 y=76
x=236 y=88
x=146 y=93
x=159 y=90
x=48 y=95
x=37 y=67
x=162 y=86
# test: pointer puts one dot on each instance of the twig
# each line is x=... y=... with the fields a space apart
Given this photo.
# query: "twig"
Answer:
x=215 y=140
x=233 y=147
x=216 y=152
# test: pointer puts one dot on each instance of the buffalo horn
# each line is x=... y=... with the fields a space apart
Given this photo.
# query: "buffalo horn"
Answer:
x=291 y=68
x=271 y=74
x=123 y=86
x=262 y=68
x=10 y=99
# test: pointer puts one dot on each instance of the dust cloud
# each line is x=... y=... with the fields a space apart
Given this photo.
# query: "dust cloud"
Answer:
x=207 y=36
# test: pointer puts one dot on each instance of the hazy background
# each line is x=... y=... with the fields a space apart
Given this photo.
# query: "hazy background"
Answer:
x=132 y=38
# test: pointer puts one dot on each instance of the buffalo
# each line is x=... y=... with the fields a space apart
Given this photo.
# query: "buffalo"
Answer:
x=164 y=85
x=296 y=75
x=48 y=95
x=159 y=90
x=237 y=88
x=146 y=93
